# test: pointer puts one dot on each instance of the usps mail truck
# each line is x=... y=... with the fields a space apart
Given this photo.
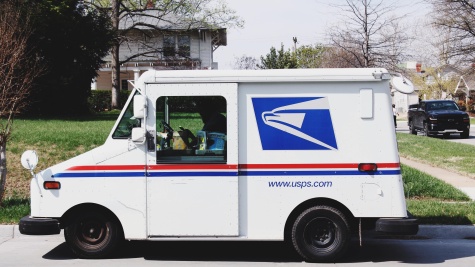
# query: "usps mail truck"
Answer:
x=306 y=156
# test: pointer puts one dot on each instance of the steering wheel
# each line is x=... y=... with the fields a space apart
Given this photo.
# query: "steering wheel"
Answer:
x=167 y=126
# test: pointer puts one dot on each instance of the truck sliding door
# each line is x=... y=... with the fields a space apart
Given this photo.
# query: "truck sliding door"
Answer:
x=192 y=166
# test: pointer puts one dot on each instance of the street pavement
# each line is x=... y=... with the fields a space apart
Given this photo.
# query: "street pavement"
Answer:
x=442 y=246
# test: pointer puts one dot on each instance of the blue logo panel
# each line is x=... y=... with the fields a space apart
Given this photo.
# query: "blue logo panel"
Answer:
x=296 y=123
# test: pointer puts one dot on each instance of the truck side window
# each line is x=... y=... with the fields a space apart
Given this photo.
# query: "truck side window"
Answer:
x=191 y=129
x=127 y=122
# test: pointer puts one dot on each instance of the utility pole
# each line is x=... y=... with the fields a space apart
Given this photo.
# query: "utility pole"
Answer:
x=295 y=44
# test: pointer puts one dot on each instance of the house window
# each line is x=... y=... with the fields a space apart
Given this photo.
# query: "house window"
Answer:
x=169 y=46
x=183 y=45
x=176 y=45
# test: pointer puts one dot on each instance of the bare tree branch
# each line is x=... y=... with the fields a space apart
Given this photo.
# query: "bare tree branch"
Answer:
x=371 y=35
x=19 y=67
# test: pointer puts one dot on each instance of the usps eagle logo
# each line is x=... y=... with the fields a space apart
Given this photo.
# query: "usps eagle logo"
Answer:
x=295 y=123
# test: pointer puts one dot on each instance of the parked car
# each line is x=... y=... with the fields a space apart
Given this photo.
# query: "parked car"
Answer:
x=438 y=117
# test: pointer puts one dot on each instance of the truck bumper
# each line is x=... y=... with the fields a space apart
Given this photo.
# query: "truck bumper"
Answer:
x=39 y=226
x=397 y=226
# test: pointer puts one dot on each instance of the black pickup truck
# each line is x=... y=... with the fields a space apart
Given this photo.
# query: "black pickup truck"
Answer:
x=434 y=117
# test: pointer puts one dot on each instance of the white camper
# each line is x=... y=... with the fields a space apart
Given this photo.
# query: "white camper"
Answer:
x=306 y=156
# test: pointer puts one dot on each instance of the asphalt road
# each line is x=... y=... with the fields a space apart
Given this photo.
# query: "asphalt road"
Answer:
x=52 y=251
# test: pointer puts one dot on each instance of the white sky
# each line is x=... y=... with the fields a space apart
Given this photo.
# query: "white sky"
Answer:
x=272 y=22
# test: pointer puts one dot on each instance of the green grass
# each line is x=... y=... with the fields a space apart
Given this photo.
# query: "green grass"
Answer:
x=419 y=185
x=440 y=212
x=438 y=152
x=435 y=202
x=13 y=209
x=430 y=200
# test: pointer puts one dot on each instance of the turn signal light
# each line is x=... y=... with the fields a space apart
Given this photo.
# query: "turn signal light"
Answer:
x=52 y=185
x=367 y=167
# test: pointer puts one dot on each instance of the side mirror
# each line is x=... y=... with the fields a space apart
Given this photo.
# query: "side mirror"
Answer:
x=138 y=135
x=29 y=160
x=139 y=106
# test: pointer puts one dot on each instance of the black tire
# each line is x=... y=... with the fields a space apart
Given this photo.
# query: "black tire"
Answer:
x=321 y=234
x=411 y=128
x=465 y=134
x=93 y=234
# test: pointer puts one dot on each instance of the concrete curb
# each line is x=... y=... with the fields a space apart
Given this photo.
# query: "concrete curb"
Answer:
x=8 y=232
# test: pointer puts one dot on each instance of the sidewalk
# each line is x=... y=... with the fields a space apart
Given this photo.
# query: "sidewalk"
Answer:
x=464 y=184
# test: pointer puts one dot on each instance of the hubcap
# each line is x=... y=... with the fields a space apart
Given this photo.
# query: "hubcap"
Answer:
x=320 y=232
x=92 y=232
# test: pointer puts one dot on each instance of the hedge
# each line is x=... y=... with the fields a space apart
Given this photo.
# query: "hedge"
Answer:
x=100 y=100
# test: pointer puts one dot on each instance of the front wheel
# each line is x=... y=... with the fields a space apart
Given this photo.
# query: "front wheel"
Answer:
x=92 y=234
x=321 y=234
x=426 y=129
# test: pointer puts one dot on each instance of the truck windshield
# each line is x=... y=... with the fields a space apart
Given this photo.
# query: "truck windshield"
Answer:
x=449 y=105
x=127 y=122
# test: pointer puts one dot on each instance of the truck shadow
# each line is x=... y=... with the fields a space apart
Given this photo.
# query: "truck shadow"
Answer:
x=373 y=250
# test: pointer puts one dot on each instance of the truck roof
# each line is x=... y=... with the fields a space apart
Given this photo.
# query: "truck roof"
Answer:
x=281 y=75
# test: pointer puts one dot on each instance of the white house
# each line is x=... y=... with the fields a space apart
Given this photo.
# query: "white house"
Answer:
x=172 y=47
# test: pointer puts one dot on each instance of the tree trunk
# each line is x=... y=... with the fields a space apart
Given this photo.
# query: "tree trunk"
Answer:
x=115 y=65
x=3 y=170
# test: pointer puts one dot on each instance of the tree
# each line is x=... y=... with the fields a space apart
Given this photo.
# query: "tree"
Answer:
x=456 y=20
x=153 y=17
x=433 y=84
x=279 y=59
x=71 y=39
x=310 y=56
x=19 y=67
x=245 y=63
x=369 y=36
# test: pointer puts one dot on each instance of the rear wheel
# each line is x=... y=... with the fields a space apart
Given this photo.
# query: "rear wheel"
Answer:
x=92 y=234
x=321 y=234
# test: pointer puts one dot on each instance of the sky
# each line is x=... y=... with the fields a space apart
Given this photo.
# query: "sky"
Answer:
x=274 y=22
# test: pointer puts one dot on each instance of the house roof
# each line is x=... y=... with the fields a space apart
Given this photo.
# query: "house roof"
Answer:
x=151 y=19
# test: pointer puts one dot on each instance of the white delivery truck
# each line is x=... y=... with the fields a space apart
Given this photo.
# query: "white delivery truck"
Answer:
x=306 y=156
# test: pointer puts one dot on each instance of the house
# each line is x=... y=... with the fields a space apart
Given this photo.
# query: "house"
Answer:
x=173 y=47
x=465 y=89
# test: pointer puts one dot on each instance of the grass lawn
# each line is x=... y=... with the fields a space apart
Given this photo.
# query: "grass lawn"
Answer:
x=438 y=152
x=56 y=140
x=433 y=201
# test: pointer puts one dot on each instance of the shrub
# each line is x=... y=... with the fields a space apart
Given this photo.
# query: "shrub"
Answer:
x=100 y=100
